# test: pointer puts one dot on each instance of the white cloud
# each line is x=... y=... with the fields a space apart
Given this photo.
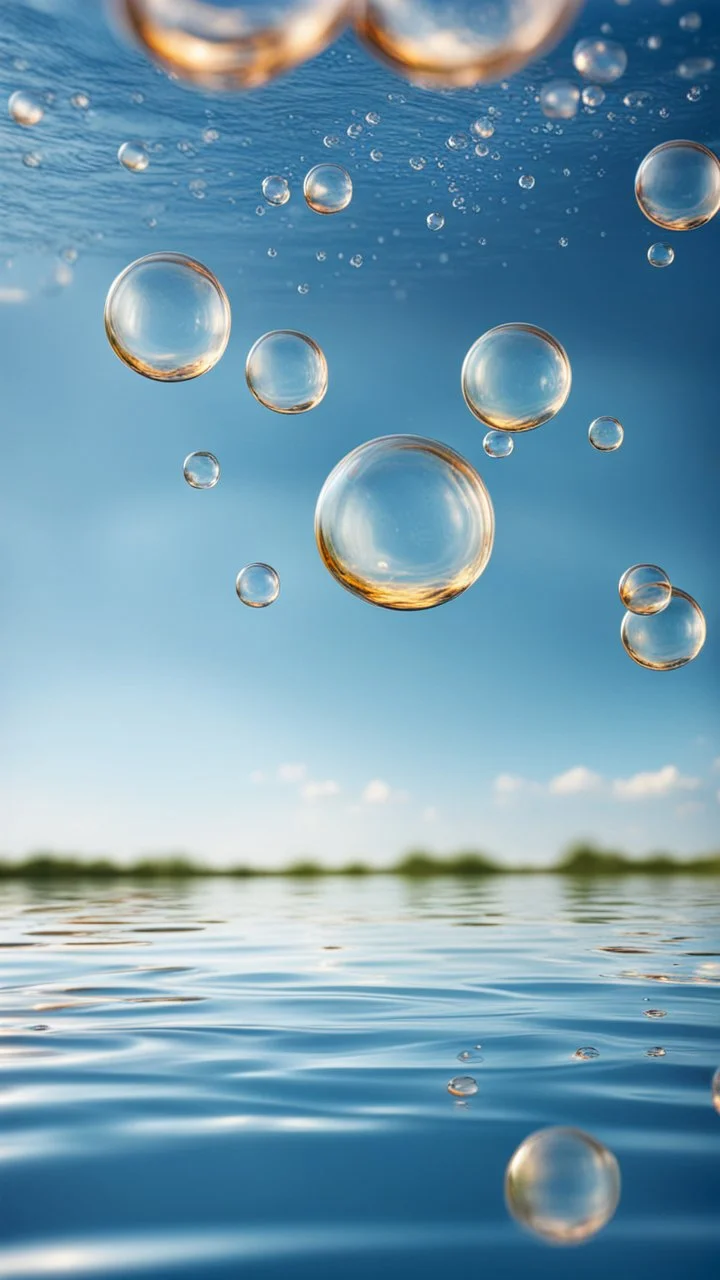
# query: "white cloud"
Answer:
x=574 y=781
x=376 y=792
x=506 y=784
x=661 y=783
x=256 y=777
x=292 y=772
x=320 y=790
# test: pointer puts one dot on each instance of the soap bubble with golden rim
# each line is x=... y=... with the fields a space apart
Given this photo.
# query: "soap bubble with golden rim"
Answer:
x=667 y=640
x=201 y=470
x=645 y=588
x=498 y=444
x=133 y=156
x=458 y=43
x=287 y=371
x=404 y=523
x=677 y=186
x=606 y=434
x=24 y=110
x=257 y=585
x=328 y=188
x=516 y=377
x=563 y=1185
x=167 y=317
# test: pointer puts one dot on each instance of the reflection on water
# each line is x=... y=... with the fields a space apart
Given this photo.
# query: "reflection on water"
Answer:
x=268 y=1084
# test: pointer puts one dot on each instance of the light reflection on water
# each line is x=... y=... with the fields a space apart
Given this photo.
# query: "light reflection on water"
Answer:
x=267 y=1082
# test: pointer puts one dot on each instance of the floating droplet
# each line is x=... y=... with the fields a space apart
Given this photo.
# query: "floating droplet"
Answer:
x=665 y=641
x=656 y=1052
x=328 y=188
x=257 y=585
x=462 y=1086
x=516 y=377
x=498 y=444
x=24 y=110
x=563 y=1185
x=586 y=1053
x=606 y=434
x=559 y=100
x=602 y=61
x=645 y=589
x=443 y=42
x=593 y=95
x=201 y=470
x=435 y=222
x=167 y=317
x=133 y=156
x=661 y=255
x=405 y=523
x=286 y=371
x=275 y=189
x=678 y=185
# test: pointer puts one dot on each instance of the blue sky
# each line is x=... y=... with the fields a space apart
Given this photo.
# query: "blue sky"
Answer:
x=145 y=710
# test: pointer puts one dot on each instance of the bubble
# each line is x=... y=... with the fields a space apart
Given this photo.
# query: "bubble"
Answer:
x=24 y=110
x=223 y=46
x=526 y=181
x=405 y=523
x=167 y=317
x=133 y=156
x=372 y=117
x=32 y=160
x=690 y=22
x=376 y=155
x=655 y=1013
x=678 y=185
x=645 y=589
x=462 y=1086
x=593 y=95
x=559 y=100
x=498 y=444
x=665 y=641
x=435 y=222
x=606 y=434
x=80 y=101
x=656 y=1052
x=275 y=189
x=715 y=1090
x=586 y=1053
x=661 y=255
x=201 y=470
x=328 y=188
x=602 y=61
x=692 y=68
x=417 y=163
x=516 y=377
x=471 y=1055
x=257 y=585
x=563 y=1185
x=286 y=371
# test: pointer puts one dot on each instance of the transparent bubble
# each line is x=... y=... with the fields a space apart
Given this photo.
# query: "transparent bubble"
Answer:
x=690 y=22
x=715 y=1090
x=133 y=156
x=286 y=371
x=405 y=523
x=663 y=642
x=655 y=1013
x=417 y=163
x=593 y=95
x=80 y=101
x=167 y=317
x=24 y=110
x=559 y=100
x=645 y=588
x=471 y=1055
x=456 y=43
x=656 y=1052
x=602 y=61
x=257 y=585
x=435 y=222
x=275 y=189
x=328 y=188
x=482 y=128
x=32 y=160
x=498 y=444
x=586 y=1053
x=462 y=1086
x=661 y=255
x=606 y=434
x=219 y=45
x=516 y=377
x=526 y=181
x=678 y=185
x=563 y=1185
x=376 y=155
x=201 y=470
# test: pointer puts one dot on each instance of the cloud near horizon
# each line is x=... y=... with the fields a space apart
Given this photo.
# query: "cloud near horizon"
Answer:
x=580 y=780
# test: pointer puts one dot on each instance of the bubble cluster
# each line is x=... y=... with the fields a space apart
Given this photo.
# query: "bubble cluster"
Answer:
x=167 y=317
x=275 y=189
x=645 y=588
x=498 y=444
x=661 y=255
x=201 y=470
x=24 y=110
x=606 y=434
x=257 y=585
x=666 y=640
x=678 y=185
x=404 y=523
x=286 y=371
x=462 y=1086
x=328 y=188
x=562 y=1184
x=516 y=377
x=133 y=156
x=602 y=61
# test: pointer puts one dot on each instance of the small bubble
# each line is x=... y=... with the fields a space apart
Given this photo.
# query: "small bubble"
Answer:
x=593 y=95
x=559 y=100
x=272 y=253
x=606 y=434
x=654 y=42
x=498 y=444
x=303 y=288
x=257 y=585
x=133 y=156
x=321 y=255
x=376 y=155
x=457 y=142
x=481 y=149
x=516 y=377
x=645 y=588
x=286 y=371
x=354 y=130
x=331 y=140
x=526 y=181
x=586 y=1053
x=665 y=641
x=356 y=260
x=655 y=1013
x=210 y=136
x=692 y=68
x=417 y=163
x=81 y=101
x=656 y=1052
x=602 y=61
x=201 y=470
x=275 y=189
x=690 y=22
x=32 y=159
x=483 y=128
x=694 y=94
x=563 y=242
x=435 y=222
x=661 y=255
x=24 y=110
x=372 y=117
x=462 y=1086
x=471 y=1055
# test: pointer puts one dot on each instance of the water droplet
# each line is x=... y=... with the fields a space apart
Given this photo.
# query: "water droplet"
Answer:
x=328 y=188
x=498 y=444
x=462 y=1086
x=405 y=523
x=133 y=156
x=606 y=434
x=167 y=317
x=483 y=128
x=201 y=470
x=287 y=372
x=257 y=585
x=516 y=377
x=586 y=1053
x=435 y=222
x=661 y=255
x=678 y=185
x=602 y=61
x=559 y=100
x=24 y=110
x=563 y=1185
x=656 y=1052
x=526 y=181
x=275 y=189
x=593 y=95
x=664 y=641
x=645 y=588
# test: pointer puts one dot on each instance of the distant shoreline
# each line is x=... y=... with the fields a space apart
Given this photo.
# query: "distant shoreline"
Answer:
x=581 y=861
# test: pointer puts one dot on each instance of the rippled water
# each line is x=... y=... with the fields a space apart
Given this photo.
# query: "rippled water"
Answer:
x=251 y=1078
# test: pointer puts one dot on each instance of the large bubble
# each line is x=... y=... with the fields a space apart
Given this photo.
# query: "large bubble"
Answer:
x=328 y=188
x=229 y=46
x=667 y=640
x=645 y=588
x=678 y=185
x=601 y=61
x=563 y=1185
x=516 y=377
x=286 y=371
x=167 y=317
x=405 y=523
x=456 y=43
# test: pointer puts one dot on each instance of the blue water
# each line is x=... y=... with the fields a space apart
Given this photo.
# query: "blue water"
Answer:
x=230 y=1078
